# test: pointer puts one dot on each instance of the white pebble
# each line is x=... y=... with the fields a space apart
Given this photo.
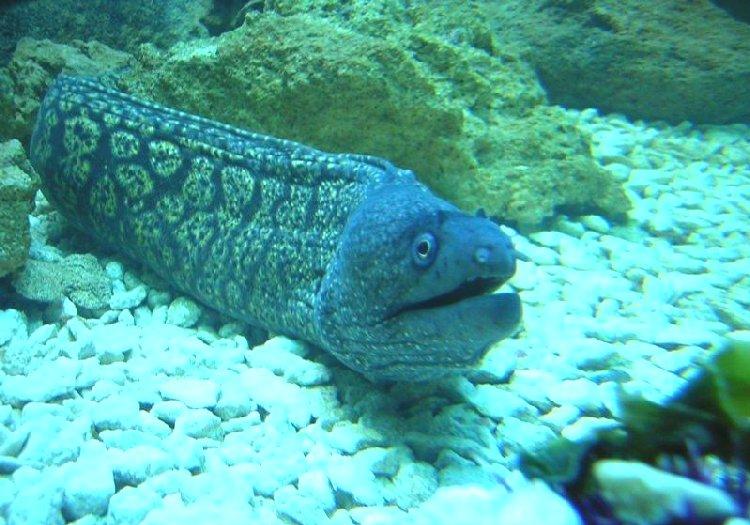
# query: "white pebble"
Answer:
x=114 y=270
x=116 y=412
x=383 y=461
x=142 y=316
x=640 y=493
x=527 y=276
x=619 y=171
x=414 y=483
x=588 y=353
x=113 y=343
x=659 y=289
x=277 y=355
x=560 y=417
x=137 y=464
x=234 y=401
x=69 y=310
x=126 y=299
x=36 y=503
x=126 y=318
x=183 y=312
x=78 y=329
x=276 y=395
x=525 y=436
x=497 y=403
x=131 y=504
x=52 y=380
x=574 y=229
x=198 y=423
x=688 y=334
x=595 y=223
x=88 y=487
x=231 y=329
x=298 y=507
x=149 y=423
x=643 y=178
x=386 y=514
x=239 y=424
x=187 y=451
x=315 y=485
x=12 y=326
x=586 y=429
x=676 y=361
x=551 y=239
x=128 y=439
x=194 y=393
x=42 y=334
x=536 y=503
x=168 y=411
x=479 y=506
x=611 y=145
x=575 y=254
x=498 y=363
x=582 y=393
x=350 y=437
x=348 y=479
x=158 y=298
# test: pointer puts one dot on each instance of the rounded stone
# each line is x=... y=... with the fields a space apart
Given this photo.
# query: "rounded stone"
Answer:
x=88 y=487
x=194 y=393
x=183 y=312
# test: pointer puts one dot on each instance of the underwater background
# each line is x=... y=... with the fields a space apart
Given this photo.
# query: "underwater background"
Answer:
x=610 y=139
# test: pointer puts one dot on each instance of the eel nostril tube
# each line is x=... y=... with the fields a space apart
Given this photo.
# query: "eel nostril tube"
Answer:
x=482 y=255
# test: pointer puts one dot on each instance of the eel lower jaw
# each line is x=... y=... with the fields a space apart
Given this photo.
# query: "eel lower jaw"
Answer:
x=470 y=315
x=440 y=336
x=455 y=335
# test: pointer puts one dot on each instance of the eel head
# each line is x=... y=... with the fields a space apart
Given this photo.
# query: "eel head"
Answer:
x=409 y=294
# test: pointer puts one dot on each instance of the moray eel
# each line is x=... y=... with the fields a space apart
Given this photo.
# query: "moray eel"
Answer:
x=344 y=251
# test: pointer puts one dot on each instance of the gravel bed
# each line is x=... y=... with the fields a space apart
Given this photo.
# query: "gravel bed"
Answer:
x=158 y=411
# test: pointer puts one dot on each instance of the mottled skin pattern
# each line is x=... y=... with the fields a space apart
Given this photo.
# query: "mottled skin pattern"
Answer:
x=344 y=251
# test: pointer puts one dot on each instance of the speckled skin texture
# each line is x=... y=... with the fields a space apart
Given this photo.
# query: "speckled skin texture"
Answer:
x=313 y=245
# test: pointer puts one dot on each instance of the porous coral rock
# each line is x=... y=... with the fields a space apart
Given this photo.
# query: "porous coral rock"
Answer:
x=124 y=24
x=18 y=183
x=470 y=121
x=33 y=67
x=78 y=277
x=668 y=60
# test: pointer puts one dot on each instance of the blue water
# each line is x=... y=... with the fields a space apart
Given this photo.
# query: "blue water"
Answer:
x=610 y=142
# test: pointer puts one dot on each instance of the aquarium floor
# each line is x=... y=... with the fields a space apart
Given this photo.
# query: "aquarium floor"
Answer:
x=158 y=411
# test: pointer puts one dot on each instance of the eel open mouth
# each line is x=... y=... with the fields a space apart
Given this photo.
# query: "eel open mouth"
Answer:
x=449 y=331
x=468 y=289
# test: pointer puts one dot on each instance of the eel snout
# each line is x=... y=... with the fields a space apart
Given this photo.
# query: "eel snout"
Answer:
x=476 y=259
x=457 y=311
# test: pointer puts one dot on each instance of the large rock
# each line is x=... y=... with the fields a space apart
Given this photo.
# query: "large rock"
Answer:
x=18 y=184
x=34 y=65
x=669 y=60
x=468 y=119
x=526 y=168
x=123 y=24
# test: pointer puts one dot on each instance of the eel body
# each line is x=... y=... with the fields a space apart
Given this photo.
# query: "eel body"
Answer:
x=344 y=251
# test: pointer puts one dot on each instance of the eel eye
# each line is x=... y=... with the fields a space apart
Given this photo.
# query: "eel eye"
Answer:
x=424 y=249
